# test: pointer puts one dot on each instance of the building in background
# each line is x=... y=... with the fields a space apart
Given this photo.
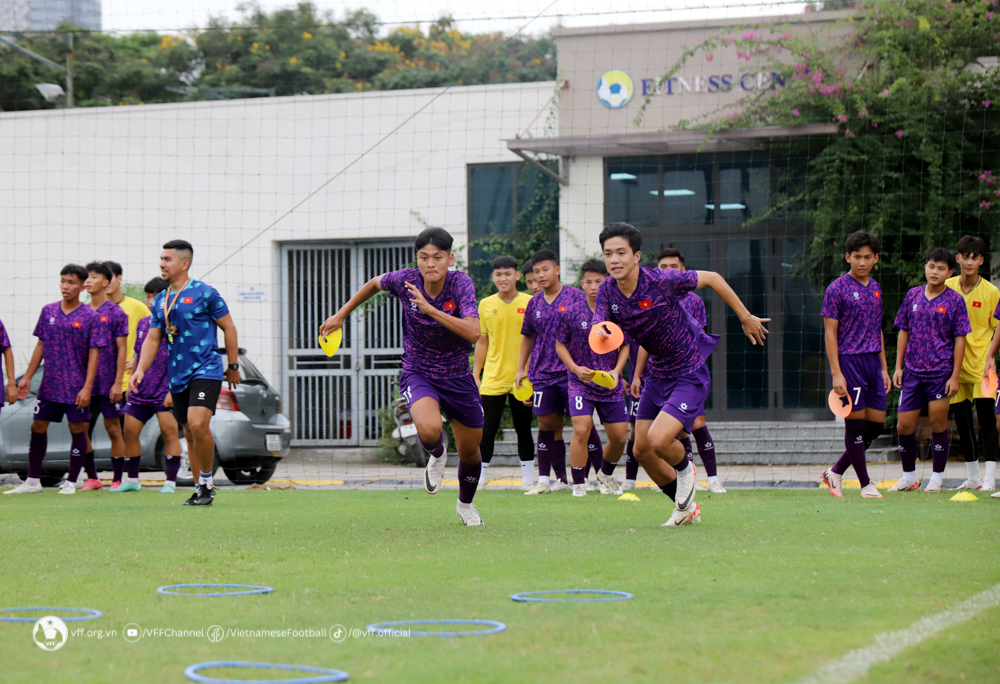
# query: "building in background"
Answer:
x=46 y=15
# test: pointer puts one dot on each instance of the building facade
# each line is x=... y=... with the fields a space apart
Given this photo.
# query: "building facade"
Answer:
x=46 y=15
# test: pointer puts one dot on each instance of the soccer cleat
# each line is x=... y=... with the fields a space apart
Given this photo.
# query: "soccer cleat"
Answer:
x=832 y=480
x=168 y=487
x=579 y=490
x=932 y=487
x=610 y=484
x=115 y=485
x=527 y=487
x=904 y=486
x=992 y=496
x=67 y=488
x=558 y=486
x=628 y=485
x=685 y=488
x=538 y=488
x=691 y=515
x=716 y=487
x=128 y=487
x=469 y=515
x=870 y=491
x=25 y=488
x=434 y=473
x=194 y=497
x=989 y=484
x=970 y=484
x=91 y=484
x=205 y=497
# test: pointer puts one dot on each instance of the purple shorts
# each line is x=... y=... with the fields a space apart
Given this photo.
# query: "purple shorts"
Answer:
x=143 y=412
x=53 y=411
x=551 y=399
x=918 y=391
x=632 y=406
x=609 y=411
x=863 y=374
x=457 y=397
x=107 y=408
x=683 y=398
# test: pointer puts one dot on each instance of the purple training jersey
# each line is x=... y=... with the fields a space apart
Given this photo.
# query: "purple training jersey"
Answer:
x=858 y=308
x=66 y=343
x=543 y=320
x=155 y=383
x=574 y=332
x=113 y=323
x=933 y=325
x=4 y=346
x=695 y=306
x=653 y=317
x=429 y=348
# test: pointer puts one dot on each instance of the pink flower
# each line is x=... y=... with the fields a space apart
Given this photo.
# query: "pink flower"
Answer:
x=842 y=118
x=984 y=205
x=848 y=134
x=885 y=92
x=795 y=112
x=709 y=58
x=997 y=193
x=986 y=103
x=899 y=135
x=874 y=125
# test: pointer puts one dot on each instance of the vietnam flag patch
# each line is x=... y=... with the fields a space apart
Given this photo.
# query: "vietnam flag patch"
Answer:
x=561 y=309
x=878 y=294
x=645 y=304
x=978 y=305
x=187 y=300
x=104 y=319
x=520 y=310
x=77 y=324
x=941 y=309
x=449 y=306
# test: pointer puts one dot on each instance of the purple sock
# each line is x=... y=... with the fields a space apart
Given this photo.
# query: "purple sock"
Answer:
x=595 y=450
x=686 y=443
x=172 y=465
x=706 y=449
x=118 y=467
x=468 y=480
x=579 y=475
x=132 y=466
x=939 y=451
x=631 y=464
x=436 y=449
x=36 y=453
x=90 y=466
x=608 y=468
x=854 y=441
x=908 y=452
x=559 y=460
x=546 y=438
x=586 y=470
x=78 y=445
x=873 y=431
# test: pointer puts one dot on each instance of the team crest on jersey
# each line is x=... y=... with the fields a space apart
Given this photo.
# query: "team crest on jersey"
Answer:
x=52 y=320
x=187 y=300
x=520 y=311
x=77 y=324
x=104 y=319
x=878 y=294
x=561 y=309
x=857 y=296
x=538 y=314
x=449 y=306
x=914 y=307
x=614 y=308
x=978 y=305
x=941 y=309
x=645 y=304
x=583 y=324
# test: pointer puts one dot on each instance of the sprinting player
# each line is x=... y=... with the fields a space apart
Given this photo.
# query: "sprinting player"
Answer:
x=645 y=303
x=189 y=314
x=981 y=300
x=529 y=278
x=440 y=325
x=544 y=369
x=672 y=258
x=500 y=319
x=852 y=318
x=69 y=338
x=149 y=399
x=933 y=323
x=573 y=348
x=8 y=362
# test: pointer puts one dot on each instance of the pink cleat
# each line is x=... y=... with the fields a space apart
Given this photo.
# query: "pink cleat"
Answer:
x=91 y=484
x=833 y=480
x=115 y=485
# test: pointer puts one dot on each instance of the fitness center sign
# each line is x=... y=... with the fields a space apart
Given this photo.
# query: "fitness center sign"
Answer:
x=615 y=87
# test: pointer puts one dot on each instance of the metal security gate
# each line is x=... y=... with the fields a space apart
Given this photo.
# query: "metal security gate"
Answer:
x=336 y=401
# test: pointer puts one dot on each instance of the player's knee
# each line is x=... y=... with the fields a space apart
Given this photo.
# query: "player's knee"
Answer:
x=40 y=427
x=659 y=443
x=198 y=427
x=429 y=431
x=113 y=427
x=939 y=425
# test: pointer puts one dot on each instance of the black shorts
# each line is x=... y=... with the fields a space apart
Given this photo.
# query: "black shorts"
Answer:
x=200 y=392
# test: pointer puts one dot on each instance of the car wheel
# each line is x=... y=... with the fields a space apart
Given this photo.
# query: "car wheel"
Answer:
x=50 y=480
x=242 y=475
x=185 y=478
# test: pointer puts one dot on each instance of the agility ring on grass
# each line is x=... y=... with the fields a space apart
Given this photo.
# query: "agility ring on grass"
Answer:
x=607 y=595
x=388 y=628
x=91 y=614
x=251 y=589
x=325 y=674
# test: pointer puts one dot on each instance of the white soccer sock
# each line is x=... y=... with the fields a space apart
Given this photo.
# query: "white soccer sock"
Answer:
x=32 y=482
x=631 y=482
x=910 y=477
x=206 y=479
x=527 y=472
x=132 y=480
x=713 y=478
x=543 y=479
x=482 y=474
x=972 y=470
x=936 y=477
x=991 y=470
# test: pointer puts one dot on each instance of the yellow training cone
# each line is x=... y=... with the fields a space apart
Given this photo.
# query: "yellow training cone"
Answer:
x=965 y=496
x=628 y=496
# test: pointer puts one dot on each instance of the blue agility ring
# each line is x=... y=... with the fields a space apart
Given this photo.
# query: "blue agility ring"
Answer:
x=530 y=596
x=253 y=589
x=382 y=628
x=91 y=614
x=326 y=674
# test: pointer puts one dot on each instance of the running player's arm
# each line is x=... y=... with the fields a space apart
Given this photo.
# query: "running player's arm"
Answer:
x=466 y=327
x=150 y=347
x=753 y=326
x=640 y=365
x=831 y=326
x=24 y=387
x=623 y=353
x=367 y=291
x=482 y=347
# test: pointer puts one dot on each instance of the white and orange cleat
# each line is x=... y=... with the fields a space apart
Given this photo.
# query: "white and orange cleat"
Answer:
x=904 y=485
x=691 y=515
x=833 y=481
x=870 y=491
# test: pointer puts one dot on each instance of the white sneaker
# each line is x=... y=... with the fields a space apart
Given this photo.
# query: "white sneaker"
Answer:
x=971 y=484
x=992 y=496
x=538 y=488
x=579 y=490
x=434 y=473
x=691 y=515
x=988 y=485
x=628 y=485
x=833 y=481
x=716 y=487
x=870 y=491
x=67 y=488
x=25 y=488
x=527 y=487
x=469 y=515
x=609 y=484
x=558 y=486
x=905 y=486
x=932 y=487
x=685 y=488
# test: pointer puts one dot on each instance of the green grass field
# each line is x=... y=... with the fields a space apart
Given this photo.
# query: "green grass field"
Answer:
x=768 y=587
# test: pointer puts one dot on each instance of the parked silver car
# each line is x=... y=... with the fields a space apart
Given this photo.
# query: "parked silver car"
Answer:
x=251 y=435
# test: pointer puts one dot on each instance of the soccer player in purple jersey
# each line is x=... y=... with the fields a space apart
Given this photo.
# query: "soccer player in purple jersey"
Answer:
x=933 y=322
x=8 y=361
x=440 y=325
x=68 y=341
x=855 y=347
x=545 y=371
x=150 y=399
x=672 y=258
x=645 y=303
x=529 y=278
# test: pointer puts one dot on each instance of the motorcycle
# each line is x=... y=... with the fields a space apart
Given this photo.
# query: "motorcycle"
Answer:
x=406 y=434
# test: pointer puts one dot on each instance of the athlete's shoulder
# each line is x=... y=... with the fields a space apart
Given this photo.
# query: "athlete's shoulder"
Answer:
x=522 y=299
x=953 y=282
x=133 y=307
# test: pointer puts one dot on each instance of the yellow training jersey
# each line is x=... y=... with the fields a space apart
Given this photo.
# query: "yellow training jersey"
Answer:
x=982 y=304
x=136 y=311
x=501 y=322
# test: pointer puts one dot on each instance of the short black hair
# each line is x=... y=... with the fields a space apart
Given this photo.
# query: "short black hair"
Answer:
x=181 y=246
x=527 y=268
x=941 y=255
x=648 y=264
x=99 y=267
x=593 y=266
x=116 y=268
x=439 y=237
x=74 y=269
x=971 y=245
x=862 y=238
x=544 y=255
x=156 y=286
x=625 y=230
x=505 y=261
x=670 y=252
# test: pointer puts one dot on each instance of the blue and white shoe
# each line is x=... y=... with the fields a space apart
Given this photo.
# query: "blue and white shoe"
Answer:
x=168 y=487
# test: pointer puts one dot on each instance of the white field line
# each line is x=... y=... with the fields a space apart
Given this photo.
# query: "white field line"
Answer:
x=856 y=664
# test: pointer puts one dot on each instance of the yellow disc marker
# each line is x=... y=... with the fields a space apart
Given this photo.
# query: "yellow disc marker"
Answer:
x=523 y=393
x=331 y=344
x=628 y=496
x=604 y=379
x=965 y=496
